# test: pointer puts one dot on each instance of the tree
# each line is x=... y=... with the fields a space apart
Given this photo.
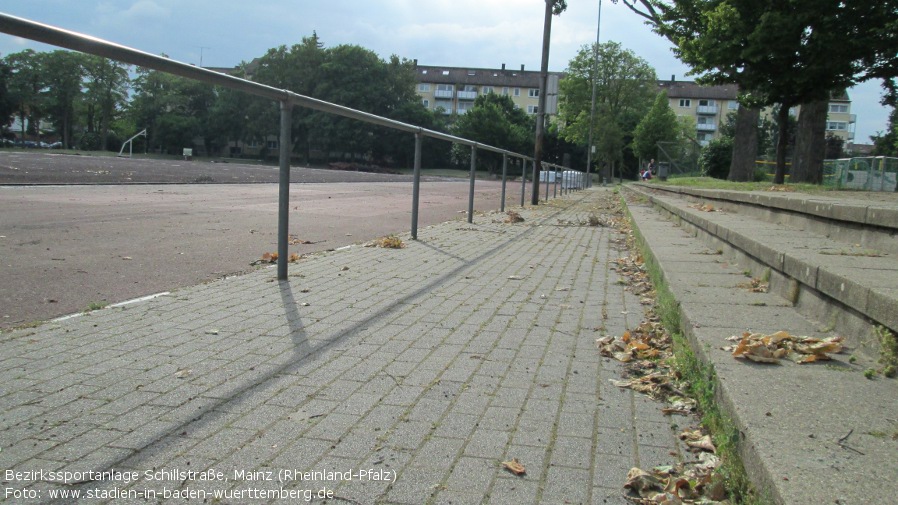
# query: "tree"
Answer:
x=7 y=106
x=886 y=143
x=106 y=95
x=64 y=77
x=494 y=120
x=625 y=87
x=788 y=53
x=659 y=125
x=25 y=84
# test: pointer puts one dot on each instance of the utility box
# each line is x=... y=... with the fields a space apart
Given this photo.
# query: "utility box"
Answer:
x=188 y=154
x=663 y=170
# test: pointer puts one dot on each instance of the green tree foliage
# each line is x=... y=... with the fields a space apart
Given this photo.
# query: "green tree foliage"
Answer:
x=493 y=120
x=106 y=95
x=789 y=53
x=7 y=106
x=659 y=125
x=63 y=73
x=886 y=143
x=716 y=157
x=25 y=83
x=625 y=90
x=174 y=110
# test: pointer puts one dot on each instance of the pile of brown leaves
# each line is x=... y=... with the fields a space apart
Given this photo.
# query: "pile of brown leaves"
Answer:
x=388 y=242
x=513 y=217
x=772 y=348
x=754 y=285
x=668 y=485
x=704 y=207
x=649 y=340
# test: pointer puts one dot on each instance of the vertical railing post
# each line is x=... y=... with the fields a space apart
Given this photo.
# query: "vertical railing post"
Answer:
x=471 y=190
x=555 y=186
x=416 y=184
x=542 y=168
x=284 y=188
x=504 y=175
x=523 y=179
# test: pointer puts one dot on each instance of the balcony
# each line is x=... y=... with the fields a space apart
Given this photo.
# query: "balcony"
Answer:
x=443 y=93
x=706 y=127
x=467 y=95
x=708 y=109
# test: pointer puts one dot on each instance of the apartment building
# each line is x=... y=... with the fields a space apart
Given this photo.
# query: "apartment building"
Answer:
x=710 y=105
x=454 y=89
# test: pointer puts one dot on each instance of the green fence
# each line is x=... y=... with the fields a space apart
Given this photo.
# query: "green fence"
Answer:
x=878 y=173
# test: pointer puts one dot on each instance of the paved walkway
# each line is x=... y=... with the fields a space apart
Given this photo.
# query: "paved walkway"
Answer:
x=412 y=372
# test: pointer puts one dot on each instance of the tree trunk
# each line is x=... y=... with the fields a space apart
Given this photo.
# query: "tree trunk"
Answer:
x=745 y=145
x=782 y=143
x=810 y=143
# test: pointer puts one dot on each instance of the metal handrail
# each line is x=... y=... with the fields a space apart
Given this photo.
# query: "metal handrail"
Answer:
x=60 y=37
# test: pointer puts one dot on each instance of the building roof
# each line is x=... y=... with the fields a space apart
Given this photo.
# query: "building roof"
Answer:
x=690 y=89
x=479 y=76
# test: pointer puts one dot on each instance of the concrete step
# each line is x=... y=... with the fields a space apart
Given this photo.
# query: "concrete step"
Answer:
x=810 y=434
x=822 y=255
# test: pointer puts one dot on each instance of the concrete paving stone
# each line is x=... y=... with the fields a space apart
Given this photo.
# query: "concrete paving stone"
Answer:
x=610 y=470
x=535 y=433
x=438 y=453
x=333 y=426
x=510 y=396
x=577 y=424
x=566 y=485
x=471 y=475
x=616 y=441
x=571 y=451
x=23 y=450
x=414 y=485
x=513 y=491
x=408 y=435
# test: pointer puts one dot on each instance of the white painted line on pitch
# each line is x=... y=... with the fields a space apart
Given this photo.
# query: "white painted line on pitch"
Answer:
x=138 y=300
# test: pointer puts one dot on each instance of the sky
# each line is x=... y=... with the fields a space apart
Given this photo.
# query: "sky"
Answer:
x=456 y=33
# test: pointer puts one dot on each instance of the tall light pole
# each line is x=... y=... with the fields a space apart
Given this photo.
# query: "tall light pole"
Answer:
x=592 y=106
x=541 y=108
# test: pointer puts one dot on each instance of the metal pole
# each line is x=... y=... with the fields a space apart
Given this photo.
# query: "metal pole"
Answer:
x=542 y=169
x=523 y=179
x=284 y=189
x=541 y=108
x=416 y=185
x=471 y=190
x=555 y=186
x=592 y=107
x=504 y=175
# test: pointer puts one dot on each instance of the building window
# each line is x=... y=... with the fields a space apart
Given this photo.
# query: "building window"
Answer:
x=505 y=91
x=837 y=125
x=517 y=92
x=487 y=89
x=272 y=144
x=733 y=105
x=705 y=103
x=472 y=73
x=532 y=109
x=426 y=103
x=838 y=108
x=684 y=102
x=533 y=93
x=424 y=87
x=445 y=72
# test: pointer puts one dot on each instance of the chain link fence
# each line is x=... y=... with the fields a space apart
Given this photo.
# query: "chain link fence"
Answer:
x=878 y=173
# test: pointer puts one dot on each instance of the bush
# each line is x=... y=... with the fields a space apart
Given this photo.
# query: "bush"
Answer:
x=716 y=157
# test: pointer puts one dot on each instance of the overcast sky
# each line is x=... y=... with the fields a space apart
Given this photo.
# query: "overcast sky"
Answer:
x=462 y=33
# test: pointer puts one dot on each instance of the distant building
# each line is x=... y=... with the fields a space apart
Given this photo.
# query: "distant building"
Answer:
x=707 y=105
x=454 y=89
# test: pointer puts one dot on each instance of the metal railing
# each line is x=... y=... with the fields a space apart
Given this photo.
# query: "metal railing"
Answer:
x=52 y=35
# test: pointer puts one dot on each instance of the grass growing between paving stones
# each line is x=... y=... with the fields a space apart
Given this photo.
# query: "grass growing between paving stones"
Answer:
x=700 y=383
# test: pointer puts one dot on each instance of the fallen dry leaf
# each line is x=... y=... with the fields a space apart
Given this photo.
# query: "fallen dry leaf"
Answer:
x=514 y=466
x=270 y=257
x=772 y=348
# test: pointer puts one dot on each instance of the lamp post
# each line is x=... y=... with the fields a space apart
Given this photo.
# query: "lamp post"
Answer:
x=592 y=106
x=541 y=108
